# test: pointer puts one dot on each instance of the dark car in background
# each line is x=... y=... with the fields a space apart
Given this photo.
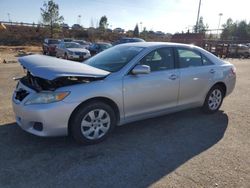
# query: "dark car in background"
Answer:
x=128 y=40
x=72 y=51
x=239 y=50
x=98 y=47
x=49 y=46
x=83 y=43
x=67 y=40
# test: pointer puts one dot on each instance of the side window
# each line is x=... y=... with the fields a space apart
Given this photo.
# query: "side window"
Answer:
x=206 y=61
x=189 y=58
x=160 y=59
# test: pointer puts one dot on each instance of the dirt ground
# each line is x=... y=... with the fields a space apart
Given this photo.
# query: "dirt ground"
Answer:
x=185 y=149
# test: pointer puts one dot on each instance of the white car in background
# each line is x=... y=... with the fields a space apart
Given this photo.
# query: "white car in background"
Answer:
x=72 y=51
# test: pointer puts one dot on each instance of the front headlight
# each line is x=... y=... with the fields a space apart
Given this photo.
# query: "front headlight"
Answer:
x=71 y=53
x=47 y=97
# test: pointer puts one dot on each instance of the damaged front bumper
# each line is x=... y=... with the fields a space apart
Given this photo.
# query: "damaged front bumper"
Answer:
x=41 y=119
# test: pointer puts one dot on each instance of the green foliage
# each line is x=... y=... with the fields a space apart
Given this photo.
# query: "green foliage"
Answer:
x=136 y=31
x=50 y=15
x=103 y=23
x=200 y=27
x=235 y=30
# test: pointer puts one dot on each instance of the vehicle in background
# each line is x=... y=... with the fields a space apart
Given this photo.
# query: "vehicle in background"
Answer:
x=64 y=26
x=67 y=40
x=127 y=40
x=98 y=47
x=83 y=43
x=49 y=46
x=125 y=83
x=76 y=27
x=238 y=50
x=72 y=51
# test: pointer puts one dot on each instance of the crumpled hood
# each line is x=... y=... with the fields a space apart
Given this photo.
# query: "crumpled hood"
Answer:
x=78 y=50
x=50 y=67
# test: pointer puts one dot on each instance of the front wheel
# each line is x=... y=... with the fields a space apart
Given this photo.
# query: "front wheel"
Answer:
x=213 y=100
x=65 y=56
x=93 y=123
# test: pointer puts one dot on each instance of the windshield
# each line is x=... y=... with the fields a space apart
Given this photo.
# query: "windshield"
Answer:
x=81 y=42
x=72 y=45
x=53 y=41
x=105 y=46
x=113 y=59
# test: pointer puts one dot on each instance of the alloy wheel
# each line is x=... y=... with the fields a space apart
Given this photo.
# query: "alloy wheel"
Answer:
x=95 y=124
x=215 y=99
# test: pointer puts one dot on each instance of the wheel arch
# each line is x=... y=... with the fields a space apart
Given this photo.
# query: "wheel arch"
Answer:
x=223 y=87
x=106 y=100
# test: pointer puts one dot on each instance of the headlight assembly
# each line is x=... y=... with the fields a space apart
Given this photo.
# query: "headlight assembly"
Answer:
x=47 y=97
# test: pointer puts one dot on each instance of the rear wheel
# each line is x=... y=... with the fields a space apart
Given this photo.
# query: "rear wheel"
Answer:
x=93 y=123
x=213 y=99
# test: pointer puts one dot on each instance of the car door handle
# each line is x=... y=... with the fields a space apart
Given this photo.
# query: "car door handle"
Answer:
x=173 y=77
x=212 y=71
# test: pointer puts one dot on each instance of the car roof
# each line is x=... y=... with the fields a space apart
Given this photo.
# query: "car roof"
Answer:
x=155 y=44
x=167 y=44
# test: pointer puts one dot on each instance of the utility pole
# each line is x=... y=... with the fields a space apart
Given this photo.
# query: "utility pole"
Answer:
x=198 y=16
x=79 y=19
x=220 y=15
x=141 y=26
x=9 y=17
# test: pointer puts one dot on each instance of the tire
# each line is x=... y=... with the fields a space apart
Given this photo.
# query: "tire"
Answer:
x=213 y=100
x=65 y=56
x=93 y=123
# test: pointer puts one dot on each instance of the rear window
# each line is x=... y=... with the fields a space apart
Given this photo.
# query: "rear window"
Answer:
x=189 y=58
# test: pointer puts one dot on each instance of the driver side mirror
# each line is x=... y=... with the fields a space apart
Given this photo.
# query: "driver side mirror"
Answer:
x=141 y=69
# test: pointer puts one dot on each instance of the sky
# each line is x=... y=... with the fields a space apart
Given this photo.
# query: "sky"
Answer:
x=169 y=16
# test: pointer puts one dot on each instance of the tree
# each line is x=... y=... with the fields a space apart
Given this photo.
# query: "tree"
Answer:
x=136 y=31
x=50 y=15
x=200 y=27
x=229 y=29
x=235 y=30
x=103 y=23
x=242 y=30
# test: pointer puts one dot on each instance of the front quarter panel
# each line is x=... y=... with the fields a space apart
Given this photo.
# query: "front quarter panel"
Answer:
x=111 y=89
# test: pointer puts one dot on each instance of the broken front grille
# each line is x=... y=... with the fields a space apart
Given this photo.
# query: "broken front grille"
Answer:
x=21 y=94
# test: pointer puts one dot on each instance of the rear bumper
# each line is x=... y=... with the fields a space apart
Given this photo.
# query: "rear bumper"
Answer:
x=230 y=84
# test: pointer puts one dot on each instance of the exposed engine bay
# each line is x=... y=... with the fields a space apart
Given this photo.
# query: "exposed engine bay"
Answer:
x=40 y=84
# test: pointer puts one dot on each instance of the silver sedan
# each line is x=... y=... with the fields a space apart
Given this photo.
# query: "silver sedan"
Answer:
x=125 y=83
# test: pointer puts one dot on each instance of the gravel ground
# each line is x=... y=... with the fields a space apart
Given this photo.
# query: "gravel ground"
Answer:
x=185 y=149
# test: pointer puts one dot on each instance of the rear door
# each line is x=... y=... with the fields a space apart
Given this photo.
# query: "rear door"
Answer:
x=156 y=91
x=196 y=76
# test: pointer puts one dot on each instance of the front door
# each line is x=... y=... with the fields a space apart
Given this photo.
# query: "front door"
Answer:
x=153 y=92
